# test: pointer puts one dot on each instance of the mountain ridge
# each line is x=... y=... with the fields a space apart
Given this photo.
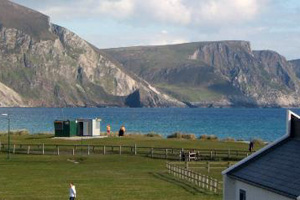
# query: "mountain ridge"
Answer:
x=229 y=73
x=43 y=64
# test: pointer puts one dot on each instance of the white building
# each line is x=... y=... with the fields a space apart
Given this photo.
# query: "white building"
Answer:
x=88 y=127
x=273 y=173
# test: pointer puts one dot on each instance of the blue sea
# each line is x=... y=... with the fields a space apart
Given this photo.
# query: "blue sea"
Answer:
x=240 y=123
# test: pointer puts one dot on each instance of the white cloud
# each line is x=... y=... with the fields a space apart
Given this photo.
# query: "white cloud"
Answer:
x=117 y=9
x=173 y=11
x=268 y=24
x=180 y=12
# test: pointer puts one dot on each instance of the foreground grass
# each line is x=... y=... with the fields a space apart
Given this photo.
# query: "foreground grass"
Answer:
x=96 y=177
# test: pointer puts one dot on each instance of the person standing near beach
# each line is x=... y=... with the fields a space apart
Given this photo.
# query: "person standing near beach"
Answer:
x=108 y=130
x=123 y=128
x=72 y=191
x=122 y=131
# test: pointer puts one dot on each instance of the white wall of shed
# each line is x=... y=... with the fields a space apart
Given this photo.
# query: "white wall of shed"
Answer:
x=96 y=128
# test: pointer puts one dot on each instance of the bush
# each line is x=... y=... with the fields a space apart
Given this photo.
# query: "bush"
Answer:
x=208 y=137
x=175 y=135
x=258 y=141
x=153 y=134
x=182 y=136
x=18 y=132
x=229 y=139
x=189 y=136
x=133 y=135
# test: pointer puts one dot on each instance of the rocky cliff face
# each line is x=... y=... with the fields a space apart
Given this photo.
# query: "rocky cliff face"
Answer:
x=295 y=65
x=43 y=64
x=225 y=73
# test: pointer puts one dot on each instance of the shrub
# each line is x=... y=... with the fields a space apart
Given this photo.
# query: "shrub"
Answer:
x=258 y=141
x=175 y=135
x=153 y=134
x=182 y=136
x=203 y=137
x=189 y=136
x=19 y=132
x=208 y=137
x=229 y=139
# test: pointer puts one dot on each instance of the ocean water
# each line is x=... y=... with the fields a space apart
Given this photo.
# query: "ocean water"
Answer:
x=240 y=123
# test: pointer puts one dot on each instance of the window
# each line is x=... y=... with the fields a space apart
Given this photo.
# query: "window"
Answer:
x=242 y=195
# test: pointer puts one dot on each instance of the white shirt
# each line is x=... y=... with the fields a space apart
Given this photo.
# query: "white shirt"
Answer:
x=72 y=191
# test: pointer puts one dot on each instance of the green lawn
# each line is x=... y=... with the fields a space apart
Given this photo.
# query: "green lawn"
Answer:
x=96 y=177
x=100 y=176
x=139 y=140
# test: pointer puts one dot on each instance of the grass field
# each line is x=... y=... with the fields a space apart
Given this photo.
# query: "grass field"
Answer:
x=139 y=140
x=96 y=177
x=100 y=176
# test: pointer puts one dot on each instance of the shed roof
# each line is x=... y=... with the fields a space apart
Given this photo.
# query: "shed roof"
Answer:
x=276 y=167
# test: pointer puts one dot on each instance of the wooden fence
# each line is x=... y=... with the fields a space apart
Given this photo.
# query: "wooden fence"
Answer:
x=178 y=154
x=205 y=165
x=196 y=178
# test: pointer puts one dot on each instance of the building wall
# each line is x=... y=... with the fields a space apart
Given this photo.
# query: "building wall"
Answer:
x=232 y=188
x=96 y=127
x=229 y=188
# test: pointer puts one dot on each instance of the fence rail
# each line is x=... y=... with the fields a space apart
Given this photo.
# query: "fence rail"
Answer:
x=178 y=154
x=205 y=165
x=196 y=178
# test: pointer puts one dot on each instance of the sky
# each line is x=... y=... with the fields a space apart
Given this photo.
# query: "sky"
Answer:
x=267 y=24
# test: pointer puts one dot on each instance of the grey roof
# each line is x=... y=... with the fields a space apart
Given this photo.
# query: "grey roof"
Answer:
x=276 y=169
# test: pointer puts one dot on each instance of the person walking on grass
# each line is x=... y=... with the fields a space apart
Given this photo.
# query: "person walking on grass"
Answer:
x=251 y=146
x=72 y=191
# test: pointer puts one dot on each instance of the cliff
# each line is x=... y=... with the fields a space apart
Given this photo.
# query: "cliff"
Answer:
x=43 y=64
x=218 y=74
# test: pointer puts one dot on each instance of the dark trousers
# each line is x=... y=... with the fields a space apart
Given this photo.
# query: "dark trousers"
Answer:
x=72 y=198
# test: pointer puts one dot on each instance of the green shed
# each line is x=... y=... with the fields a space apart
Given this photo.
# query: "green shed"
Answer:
x=65 y=128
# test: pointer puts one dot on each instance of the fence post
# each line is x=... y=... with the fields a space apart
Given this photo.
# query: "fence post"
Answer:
x=88 y=150
x=216 y=186
x=104 y=150
x=28 y=149
x=228 y=153
x=186 y=165
x=152 y=152
x=135 y=149
x=181 y=153
x=43 y=149
x=211 y=154
x=73 y=151
x=166 y=153
x=208 y=167
x=57 y=150
x=14 y=149
x=207 y=182
x=120 y=150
